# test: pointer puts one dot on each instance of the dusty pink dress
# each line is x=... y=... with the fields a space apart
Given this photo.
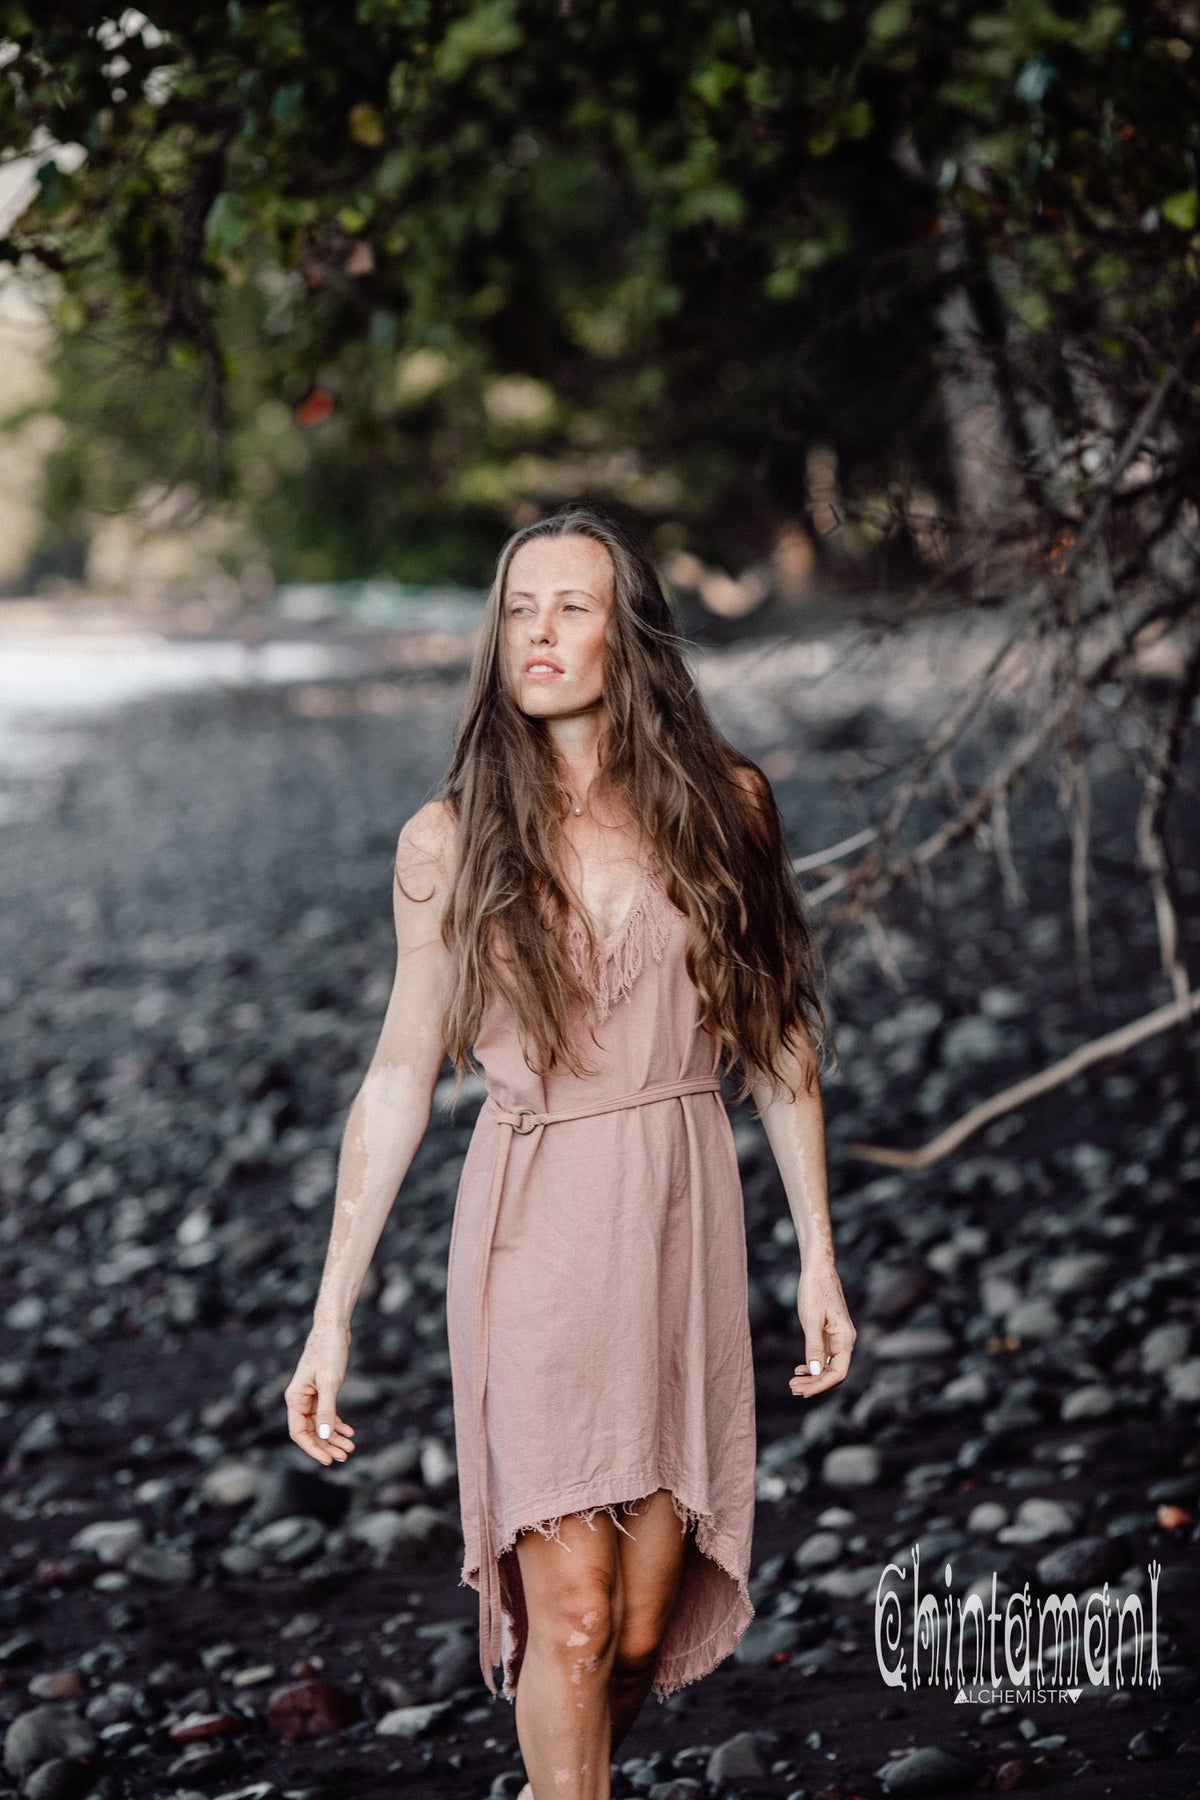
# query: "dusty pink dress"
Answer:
x=597 y=1301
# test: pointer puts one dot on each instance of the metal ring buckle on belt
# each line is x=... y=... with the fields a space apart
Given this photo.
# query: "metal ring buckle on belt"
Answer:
x=530 y=1115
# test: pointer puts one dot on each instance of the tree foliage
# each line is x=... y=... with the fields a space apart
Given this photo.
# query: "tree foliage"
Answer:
x=384 y=272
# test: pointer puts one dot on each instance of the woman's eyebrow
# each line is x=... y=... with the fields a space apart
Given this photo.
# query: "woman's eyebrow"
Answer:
x=524 y=593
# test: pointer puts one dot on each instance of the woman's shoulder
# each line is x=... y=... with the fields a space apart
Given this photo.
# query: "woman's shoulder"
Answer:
x=430 y=836
x=433 y=826
x=756 y=799
x=752 y=781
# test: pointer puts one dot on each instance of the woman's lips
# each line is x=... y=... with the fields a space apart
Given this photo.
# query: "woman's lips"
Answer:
x=540 y=674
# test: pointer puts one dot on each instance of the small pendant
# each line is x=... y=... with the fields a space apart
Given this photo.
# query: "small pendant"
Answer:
x=579 y=812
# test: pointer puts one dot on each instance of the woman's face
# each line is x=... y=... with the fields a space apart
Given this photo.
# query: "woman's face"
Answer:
x=558 y=600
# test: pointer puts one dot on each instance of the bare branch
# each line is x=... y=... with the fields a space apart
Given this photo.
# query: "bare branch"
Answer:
x=1156 y=797
x=1014 y=888
x=1141 y=428
x=821 y=859
x=1078 y=788
x=1113 y=1043
x=877 y=875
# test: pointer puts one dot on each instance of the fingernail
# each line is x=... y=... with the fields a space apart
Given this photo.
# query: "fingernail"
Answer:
x=324 y=1431
x=814 y=1367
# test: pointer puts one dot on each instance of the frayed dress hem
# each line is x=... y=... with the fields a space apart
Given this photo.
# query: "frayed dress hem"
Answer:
x=671 y=1674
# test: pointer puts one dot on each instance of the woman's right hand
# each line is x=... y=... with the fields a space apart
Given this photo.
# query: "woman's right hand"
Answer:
x=311 y=1396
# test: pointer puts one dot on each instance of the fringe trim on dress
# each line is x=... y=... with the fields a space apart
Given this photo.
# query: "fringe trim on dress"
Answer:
x=616 y=961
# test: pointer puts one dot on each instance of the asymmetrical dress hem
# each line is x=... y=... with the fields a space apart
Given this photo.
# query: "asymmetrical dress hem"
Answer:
x=672 y=1673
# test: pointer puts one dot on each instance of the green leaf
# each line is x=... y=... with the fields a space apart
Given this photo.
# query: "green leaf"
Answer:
x=1180 y=209
x=716 y=202
x=366 y=126
x=782 y=284
x=287 y=105
x=55 y=190
x=71 y=313
x=488 y=30
x=855 y=119
x=1099 y=30
x=714 y=81
x=226 y=225
x=890 y=21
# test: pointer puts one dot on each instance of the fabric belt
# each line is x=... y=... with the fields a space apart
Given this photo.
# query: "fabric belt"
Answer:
x=522 y=1121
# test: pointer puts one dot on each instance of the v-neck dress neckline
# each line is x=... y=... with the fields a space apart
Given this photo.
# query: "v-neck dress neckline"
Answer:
x=639 y=886
x=609 y=967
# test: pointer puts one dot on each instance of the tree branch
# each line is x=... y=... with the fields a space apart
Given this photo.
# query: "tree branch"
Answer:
x=1113 y=1043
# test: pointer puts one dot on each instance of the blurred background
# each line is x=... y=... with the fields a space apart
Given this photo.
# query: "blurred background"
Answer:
x=878 y=324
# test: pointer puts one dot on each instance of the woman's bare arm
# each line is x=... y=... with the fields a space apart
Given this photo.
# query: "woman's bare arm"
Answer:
x=795 y=1130
x=386 y=1122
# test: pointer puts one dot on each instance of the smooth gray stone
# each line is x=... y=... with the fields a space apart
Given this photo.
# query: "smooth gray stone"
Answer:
x=1088 y=1562
x=968 y=1389
x=1037 y=1520
x=930 y=1770
x=852 y=1465
x=112 y=1540
x=426 y=1531
x=232 y=1483
x=913 y=1344
x=896 y=1291
x=818 y=1551
x=1034 y=1318
x=394 y=1460
x=987 y=1516
x=454 y=1663
x=411 y=1721
x=378 y=1529
x=1183 y=1381
x=291 y=1540
x=1095 y=1401
x=160 y=1562
x=241 y=1559
x=288 y=1492
x=42 y=1734
x=61 y=1778
x=764 y=1638
x=1165 y=1346
x=736 y=1757
x=1077 y=1272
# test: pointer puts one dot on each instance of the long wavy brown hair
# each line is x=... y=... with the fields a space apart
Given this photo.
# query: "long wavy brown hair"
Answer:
x=724 y=862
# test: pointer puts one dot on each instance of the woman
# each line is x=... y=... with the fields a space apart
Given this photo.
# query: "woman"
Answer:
x=600 y=906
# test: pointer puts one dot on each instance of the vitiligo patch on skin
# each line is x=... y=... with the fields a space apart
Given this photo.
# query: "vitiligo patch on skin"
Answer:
x=389 y=1090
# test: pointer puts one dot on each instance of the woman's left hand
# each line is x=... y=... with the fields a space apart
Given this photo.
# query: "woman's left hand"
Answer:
x=829 y=1333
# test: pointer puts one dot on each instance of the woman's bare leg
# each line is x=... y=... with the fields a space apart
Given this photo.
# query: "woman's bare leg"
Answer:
x=573 y=1604
x=596 y=1616
x=651 y=1573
